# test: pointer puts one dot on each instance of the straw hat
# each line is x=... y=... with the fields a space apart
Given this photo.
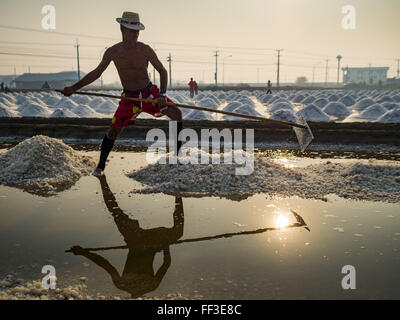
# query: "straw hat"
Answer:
x=130 y=20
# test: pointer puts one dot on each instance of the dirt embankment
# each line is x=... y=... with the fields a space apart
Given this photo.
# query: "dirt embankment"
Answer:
x=87 y=128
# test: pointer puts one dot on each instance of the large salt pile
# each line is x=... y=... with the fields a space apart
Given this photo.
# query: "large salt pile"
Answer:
x=6 y=112
x=364 y=104
x=321 y=102
x=284 y=115
x=63 y=113
x=313 y=113
x=43 y=165
x=33 y=109
x=308 y=100
x=392 y=116
x=373 y=112
x=355 y=180
x=336 y=109
x=347 y=100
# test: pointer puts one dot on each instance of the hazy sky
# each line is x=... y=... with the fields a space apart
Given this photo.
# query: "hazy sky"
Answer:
x=246 y=33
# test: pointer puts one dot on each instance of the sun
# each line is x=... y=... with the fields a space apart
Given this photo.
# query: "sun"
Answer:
x=282 y=221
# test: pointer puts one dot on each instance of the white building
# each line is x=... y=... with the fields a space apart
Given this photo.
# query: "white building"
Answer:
x=368 y=76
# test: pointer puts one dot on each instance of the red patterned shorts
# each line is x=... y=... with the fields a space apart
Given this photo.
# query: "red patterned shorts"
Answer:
x=128 y=110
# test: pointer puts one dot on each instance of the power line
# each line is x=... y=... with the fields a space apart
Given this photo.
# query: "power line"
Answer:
x=43 y=55
x=57 y=33
x=48 y=44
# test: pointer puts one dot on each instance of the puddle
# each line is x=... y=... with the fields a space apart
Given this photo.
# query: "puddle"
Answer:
x=211 y=248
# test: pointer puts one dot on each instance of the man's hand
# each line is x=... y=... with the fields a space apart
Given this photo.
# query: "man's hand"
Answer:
x=67 y=91
x=78 y=250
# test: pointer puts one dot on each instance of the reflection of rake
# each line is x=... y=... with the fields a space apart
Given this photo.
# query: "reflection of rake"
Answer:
x=300 y=223
x=301 y=128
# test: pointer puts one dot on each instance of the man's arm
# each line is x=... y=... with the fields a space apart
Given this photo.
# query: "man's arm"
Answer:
x=151 y=55
x=91 y=76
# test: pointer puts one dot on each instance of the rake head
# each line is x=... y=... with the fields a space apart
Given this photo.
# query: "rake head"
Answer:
x=304 y=134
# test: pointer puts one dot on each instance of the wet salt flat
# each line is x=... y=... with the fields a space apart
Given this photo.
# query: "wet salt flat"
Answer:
x=277 y=258
x=313 y=105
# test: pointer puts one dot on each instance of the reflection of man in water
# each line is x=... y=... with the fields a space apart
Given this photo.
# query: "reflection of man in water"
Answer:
x=138 y=276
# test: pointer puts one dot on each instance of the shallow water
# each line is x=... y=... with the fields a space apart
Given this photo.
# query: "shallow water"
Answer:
x=291 y=263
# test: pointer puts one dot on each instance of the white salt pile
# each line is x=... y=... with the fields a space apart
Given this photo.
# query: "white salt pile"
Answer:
x=321 y=102
x=337 y=109
x=33 y=109
x=43 y=165
x=363 y=104
x=313 y=113
x=284 y=115
x=63 y=113
x=392 y=116
x=373 y=112
x=6 y=112
x=366 y=181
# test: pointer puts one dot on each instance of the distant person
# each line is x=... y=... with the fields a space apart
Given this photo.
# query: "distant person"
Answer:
x=6 y=90
x=2 y=87
x=192 y=86
x=196 y=88
x=138 y=276
x=269 y=86
x=131 y=58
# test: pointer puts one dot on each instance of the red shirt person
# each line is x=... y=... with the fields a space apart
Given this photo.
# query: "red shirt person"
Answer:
x=192 y=86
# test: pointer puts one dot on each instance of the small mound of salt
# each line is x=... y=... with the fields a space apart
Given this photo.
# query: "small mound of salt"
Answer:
x=43 y=165
x=313 y=113
x=392 y=116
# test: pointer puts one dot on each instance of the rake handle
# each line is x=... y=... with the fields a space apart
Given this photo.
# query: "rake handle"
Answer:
x=241 y=115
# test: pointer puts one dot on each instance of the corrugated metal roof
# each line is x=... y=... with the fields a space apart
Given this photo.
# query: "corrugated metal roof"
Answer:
x=65 y=75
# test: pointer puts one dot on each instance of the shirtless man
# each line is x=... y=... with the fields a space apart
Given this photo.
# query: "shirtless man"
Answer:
x=131 y=58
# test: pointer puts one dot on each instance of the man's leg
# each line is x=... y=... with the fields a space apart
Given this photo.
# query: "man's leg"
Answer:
x=106 y=146
x=175 y=114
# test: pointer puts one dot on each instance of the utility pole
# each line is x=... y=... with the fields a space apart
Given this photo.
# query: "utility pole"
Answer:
x=398 y=69
x=279 y=62
x=339 y=57
x=313 y=74
x=326 y=73
x=101 y=57
x=170 y=76
x=216 y=69
x=77 y=58
x=15 y=73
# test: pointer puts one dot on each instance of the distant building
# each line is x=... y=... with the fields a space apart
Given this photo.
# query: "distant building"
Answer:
x=367 y=76
x=54 y=80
